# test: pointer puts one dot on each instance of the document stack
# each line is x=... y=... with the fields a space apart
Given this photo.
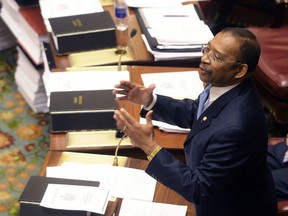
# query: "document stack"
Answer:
x=28 y=78
x=26 y=23
x=173 y=33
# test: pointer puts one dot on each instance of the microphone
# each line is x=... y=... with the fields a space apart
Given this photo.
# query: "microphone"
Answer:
x=120 y=133
x=115 y=160
x=123 y=50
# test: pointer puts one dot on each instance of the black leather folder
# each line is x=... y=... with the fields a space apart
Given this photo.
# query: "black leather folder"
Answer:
x=34 y=191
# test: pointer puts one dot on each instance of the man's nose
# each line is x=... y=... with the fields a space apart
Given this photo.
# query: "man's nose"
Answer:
x=205 y=58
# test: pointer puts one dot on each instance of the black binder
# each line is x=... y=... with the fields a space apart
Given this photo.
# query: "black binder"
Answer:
x=152 y=41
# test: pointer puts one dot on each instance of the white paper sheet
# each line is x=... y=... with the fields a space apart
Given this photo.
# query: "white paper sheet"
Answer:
x=177 y=85
x=122 y=182
x=153 y=3
x=84 y=80
x=75 y=197
x=143 y=208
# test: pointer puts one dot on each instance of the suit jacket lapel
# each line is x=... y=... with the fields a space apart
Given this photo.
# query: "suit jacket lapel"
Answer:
x=215 y=108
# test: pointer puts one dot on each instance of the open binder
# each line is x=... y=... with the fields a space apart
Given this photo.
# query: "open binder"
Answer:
x=161 y=47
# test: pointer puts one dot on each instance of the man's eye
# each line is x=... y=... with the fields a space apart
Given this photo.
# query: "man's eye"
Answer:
x=216 y=57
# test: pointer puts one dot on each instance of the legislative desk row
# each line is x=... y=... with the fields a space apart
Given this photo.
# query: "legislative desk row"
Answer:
x=171 y=141
x=140 y=54
x=142 y=62
x=136 y=157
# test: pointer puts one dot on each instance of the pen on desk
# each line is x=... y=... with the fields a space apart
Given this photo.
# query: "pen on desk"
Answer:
x=174 y=15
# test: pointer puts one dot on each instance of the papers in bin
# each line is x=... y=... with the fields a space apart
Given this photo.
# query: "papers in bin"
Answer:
x=161 y=56
x=176 y=26
x=174 y=33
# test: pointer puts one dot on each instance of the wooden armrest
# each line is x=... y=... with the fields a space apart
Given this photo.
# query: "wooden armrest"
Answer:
x=281 y=2
x=283 y=206
x=274 y=140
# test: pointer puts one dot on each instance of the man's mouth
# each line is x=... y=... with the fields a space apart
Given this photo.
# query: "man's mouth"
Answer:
x=202 y=68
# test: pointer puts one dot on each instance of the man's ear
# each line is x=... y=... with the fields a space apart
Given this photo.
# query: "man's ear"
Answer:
x=241 y=71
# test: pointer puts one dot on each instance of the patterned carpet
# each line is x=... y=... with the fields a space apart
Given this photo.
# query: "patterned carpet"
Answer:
x=24 y=138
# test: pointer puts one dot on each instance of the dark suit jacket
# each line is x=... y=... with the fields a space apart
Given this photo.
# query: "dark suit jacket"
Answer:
x=279 y=168
x=226 y=171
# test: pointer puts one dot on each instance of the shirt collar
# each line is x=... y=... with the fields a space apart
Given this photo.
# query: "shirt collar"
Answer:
x=216 y=92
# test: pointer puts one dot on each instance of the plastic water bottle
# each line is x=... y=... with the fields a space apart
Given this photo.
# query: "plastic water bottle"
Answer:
x=121 y=14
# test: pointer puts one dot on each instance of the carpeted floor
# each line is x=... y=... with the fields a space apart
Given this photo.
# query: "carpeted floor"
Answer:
x=24 y=138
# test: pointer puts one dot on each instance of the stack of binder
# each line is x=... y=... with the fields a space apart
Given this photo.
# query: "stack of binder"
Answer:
x=173 y=33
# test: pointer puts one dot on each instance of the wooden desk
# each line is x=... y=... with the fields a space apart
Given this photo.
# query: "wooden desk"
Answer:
x=162 y=193
x=139 y=51
x=171 y=141
x=142 y=55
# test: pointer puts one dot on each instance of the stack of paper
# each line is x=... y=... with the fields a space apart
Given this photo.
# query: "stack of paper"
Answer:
x=27 y=25
x=173 y=33
x=30 y=83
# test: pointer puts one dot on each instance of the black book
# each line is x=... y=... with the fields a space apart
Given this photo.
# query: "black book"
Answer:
x=83 y=32
x=93 y=100
x=34 y=191
x=82 y=110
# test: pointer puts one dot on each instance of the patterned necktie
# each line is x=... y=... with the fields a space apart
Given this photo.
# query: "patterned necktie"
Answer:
x=203 y=97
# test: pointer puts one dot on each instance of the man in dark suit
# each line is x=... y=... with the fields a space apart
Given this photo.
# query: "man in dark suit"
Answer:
x=278 y=163
x=226 y=171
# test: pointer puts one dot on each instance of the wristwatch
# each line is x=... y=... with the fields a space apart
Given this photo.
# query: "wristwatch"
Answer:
x=154 y=152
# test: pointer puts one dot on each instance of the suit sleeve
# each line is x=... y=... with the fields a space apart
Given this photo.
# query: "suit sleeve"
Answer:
x=223 y=162
x=176 y=112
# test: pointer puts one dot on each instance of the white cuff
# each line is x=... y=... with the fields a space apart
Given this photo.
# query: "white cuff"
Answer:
x=152 y=103
x=285 y=159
